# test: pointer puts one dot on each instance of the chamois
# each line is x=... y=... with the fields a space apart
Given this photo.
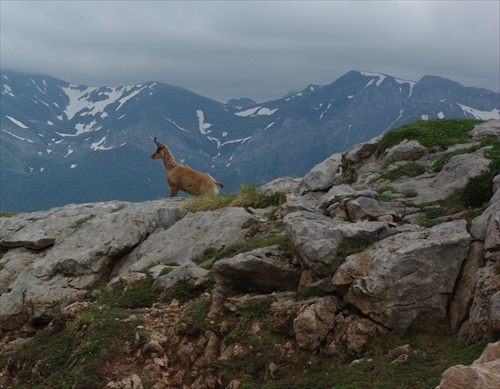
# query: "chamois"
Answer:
x=180 y=177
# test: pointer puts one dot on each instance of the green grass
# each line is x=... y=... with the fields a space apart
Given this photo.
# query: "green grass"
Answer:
x=140 y=294
x=8 y=214
x=410 y=169
x=72 y=355
x=430 y=133
x=247 y=196
x=213 y=254
x=433 y=354
x=82 y=221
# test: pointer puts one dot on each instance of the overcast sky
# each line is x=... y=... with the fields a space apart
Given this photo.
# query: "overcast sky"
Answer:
x=256 y=49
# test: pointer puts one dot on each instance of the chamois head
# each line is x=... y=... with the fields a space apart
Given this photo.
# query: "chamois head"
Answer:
x=158 y=154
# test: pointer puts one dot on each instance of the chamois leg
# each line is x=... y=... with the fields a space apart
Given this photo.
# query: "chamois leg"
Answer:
x=173 y=192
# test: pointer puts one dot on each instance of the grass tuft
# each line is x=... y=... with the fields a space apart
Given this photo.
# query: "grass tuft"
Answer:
x=247 y=196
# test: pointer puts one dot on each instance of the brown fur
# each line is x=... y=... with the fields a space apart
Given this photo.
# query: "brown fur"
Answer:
x=180 y=177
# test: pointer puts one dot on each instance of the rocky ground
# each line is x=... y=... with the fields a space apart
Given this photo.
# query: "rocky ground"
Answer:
x=371 y=243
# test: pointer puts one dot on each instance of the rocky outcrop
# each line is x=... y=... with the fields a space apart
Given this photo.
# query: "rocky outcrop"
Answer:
x=405 y=281
x=363 y=260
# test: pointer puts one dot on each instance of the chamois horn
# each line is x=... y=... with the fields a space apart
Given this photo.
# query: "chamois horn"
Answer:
x=157 y=142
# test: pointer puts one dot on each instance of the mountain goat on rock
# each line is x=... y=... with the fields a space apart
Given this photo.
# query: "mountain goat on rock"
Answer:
x=180 y=177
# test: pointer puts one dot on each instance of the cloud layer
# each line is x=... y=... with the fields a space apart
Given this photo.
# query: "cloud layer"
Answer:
x=256 y=49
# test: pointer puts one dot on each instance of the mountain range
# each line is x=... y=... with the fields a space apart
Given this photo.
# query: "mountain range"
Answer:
x=63 y=143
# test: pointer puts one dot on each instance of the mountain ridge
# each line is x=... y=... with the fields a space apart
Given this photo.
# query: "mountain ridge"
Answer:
x=51 y=127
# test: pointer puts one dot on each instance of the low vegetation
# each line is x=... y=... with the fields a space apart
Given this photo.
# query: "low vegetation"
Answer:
x=430 y=133
x=247 y=196
x=82 y=221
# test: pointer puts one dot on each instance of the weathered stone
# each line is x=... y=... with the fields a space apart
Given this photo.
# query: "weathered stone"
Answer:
x=282 y=185
x=316 y=238
x=187 y=270
x=325 y=174
x=484 y=372
x=448 y=181
x=296 y=203
x=406 y=280
x=489 y=128
x=188 y=238
x=407 y=150
x=361 y=151
x=80 y=258
x=322 y=325
x=365 y=207
x=314 y=322
x=484 y=314
x=466 y=286
x=261 y=270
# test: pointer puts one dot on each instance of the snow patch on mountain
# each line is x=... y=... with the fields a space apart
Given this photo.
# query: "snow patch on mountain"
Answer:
x=16 y=122
x=18 y=137
x=483 y=115
x=176 y=125
x=99 y=145
x=7 y=91
x=256 y=111
x=79 y=98
x=203 y=127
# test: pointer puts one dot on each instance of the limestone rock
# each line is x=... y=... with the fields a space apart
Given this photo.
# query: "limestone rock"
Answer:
x=282 y=185
x=188 y=238
x=489 y=128
x=448 y=181
x=407 y=150
x=79 y=258
x=484 y=314
x=187 y=270
x=406 y=280
x=325 y=174
x=365 y=207
x=315 y=238
x=261 y=270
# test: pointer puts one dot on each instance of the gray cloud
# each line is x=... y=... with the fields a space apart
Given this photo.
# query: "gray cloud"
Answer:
x=256 y=49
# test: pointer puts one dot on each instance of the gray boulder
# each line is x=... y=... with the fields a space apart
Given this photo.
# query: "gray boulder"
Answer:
x=187 y=270
x=406 y=280
x=315 y=238
x=449 y=180
x=369 y=208
x=187 y=239
x=264 y=270
x=282 y=185
x=40 y=284
x=325 y=174
x=407 y=150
